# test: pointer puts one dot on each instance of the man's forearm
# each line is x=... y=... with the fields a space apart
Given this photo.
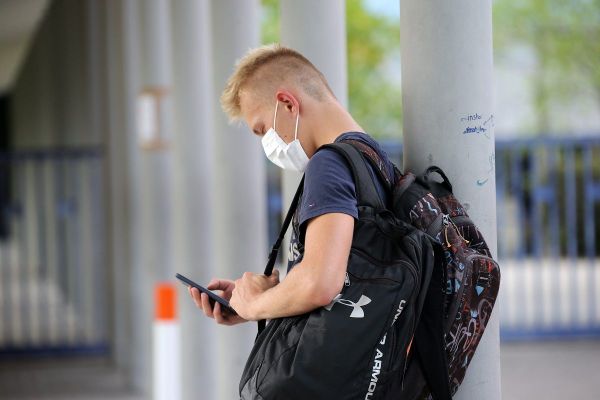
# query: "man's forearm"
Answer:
x=300 y=292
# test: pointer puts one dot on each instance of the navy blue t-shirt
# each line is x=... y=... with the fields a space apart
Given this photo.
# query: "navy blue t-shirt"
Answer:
x=329 y=188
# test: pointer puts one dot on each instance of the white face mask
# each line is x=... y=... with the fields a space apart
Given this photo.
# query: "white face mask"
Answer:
x=290 y=156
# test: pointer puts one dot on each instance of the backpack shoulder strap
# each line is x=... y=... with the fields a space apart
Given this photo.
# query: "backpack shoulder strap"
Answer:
x=366 y=193
x=277 y=245
x=376 y=162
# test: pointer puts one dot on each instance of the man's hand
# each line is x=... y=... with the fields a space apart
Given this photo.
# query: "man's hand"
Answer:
x=312 y=283
x=247 y=291
x=223 y=288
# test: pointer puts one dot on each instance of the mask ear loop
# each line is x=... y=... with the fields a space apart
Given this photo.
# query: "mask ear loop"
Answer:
x=275 y=116
x=296 y=130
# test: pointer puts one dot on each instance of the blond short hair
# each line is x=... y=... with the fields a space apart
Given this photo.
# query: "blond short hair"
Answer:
x=265 y=67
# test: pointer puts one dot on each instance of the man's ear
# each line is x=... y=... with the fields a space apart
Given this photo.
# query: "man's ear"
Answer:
x=289 y=101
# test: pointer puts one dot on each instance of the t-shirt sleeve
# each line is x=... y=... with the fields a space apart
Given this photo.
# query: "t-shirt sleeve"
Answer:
x=328 y=187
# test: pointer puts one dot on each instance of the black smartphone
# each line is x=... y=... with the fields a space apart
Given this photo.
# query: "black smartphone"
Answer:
x=211 y=295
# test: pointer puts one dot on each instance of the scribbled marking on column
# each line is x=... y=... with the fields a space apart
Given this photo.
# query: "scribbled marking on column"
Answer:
x=475 y=126
x=492 y=166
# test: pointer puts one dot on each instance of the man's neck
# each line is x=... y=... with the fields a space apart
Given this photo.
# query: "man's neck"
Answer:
x=336 y=120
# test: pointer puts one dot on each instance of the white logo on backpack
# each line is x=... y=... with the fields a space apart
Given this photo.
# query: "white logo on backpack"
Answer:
x=357 y=310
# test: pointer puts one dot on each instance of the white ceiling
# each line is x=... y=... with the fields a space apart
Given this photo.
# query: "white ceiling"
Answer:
x=18 y=21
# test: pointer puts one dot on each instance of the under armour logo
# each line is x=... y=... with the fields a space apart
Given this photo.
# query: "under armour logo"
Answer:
x=357 y=311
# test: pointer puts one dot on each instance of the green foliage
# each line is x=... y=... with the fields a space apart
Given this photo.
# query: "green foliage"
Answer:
x=269 y=27
x=373 y=65
x=374 y=70
x=565 y=39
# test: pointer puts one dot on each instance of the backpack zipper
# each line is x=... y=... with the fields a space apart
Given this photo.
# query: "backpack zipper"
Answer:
x=410 y=343
x=436 y=226
x=405 y=367
x=411 y=267
x=447 y=222
x=441 y=222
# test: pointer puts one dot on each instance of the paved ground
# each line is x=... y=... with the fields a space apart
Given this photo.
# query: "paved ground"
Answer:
x=551 y=370
x=83 y=379
x=535 y=370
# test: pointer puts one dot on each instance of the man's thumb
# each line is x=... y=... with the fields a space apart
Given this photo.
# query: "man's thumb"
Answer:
x=274 y=274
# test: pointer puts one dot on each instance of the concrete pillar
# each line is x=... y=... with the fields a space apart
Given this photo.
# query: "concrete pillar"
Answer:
x=193 y=185
x=156 y=159
x=153 y=169
x=317 y=29
x=156 y=38
x=241 y=185
x=93 y=256
x=447 y=93
x=122 y=78
x=145 y=63
x=142 y=269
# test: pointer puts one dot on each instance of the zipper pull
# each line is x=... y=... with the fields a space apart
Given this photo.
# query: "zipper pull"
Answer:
x=458 y=231
x=446 y=222
x=347 y=280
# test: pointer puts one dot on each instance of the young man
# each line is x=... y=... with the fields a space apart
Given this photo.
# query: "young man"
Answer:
x=288 y=104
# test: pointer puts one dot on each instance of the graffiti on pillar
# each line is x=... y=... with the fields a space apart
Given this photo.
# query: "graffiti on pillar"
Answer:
x=492 y=166
x=476 y=124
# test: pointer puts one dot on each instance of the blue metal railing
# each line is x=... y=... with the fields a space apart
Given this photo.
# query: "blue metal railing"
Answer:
x=52 y=255
x=547 y=192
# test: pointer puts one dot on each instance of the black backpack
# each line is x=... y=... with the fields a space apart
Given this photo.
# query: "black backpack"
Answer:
x=471 y=279
x=357 y=347
x=455 y=299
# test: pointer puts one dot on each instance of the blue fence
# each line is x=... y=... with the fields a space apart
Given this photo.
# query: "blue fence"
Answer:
x=548 y=192
x=53 y=296
x=53 y=275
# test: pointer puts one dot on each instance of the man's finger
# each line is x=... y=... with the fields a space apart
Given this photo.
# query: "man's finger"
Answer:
x=218 y=314
x=217 y=284
x=206 y=307
x=274 y=275
x=195 y=293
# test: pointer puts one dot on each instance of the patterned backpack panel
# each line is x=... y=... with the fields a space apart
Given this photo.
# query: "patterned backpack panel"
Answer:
x=472 y=276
